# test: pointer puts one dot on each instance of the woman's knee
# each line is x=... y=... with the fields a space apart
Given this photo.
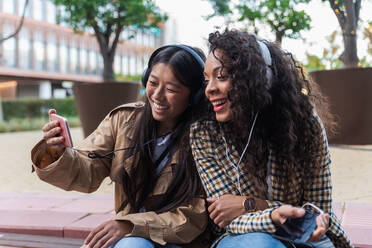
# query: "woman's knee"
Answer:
x=129 y=242
x=257 y=239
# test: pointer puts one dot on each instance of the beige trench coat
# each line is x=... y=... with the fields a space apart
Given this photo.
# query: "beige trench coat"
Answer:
x=75 y=171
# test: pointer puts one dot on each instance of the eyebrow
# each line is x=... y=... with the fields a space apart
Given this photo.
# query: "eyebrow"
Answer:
x=219 y=68
x=168 y=82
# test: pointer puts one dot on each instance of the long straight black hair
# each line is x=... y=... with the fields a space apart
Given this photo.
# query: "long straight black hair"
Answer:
x=185 y=184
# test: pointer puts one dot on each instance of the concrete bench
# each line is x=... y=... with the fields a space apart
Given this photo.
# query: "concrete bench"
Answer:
x=68 y=216
x=74 y=216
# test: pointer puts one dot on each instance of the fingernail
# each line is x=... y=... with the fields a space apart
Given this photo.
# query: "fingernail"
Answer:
x=300 y=211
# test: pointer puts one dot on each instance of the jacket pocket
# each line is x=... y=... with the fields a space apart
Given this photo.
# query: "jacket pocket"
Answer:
x=164 y=179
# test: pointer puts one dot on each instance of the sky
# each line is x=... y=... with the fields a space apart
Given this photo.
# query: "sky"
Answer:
x=190 y=27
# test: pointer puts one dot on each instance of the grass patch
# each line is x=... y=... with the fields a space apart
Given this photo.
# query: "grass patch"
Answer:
x=28 y=124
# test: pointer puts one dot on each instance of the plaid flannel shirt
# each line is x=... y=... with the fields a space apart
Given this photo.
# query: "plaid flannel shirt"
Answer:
x=219 y=177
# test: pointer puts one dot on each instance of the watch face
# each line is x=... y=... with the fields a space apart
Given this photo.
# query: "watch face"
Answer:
x=250 y=204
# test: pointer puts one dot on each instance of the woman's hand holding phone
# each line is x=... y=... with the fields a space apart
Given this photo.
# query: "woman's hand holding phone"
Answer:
x=53 y=134
x=284 y=212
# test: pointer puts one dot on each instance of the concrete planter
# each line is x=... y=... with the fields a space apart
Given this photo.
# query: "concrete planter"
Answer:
x=350 y=95
x=95 y=100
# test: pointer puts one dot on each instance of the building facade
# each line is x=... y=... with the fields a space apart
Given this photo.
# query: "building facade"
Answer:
x=44 y=58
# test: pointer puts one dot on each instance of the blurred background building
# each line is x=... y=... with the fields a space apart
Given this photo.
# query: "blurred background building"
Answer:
x=45 y=58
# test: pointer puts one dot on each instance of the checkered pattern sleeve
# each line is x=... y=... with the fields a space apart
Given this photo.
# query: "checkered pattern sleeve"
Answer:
x=320 y=193
x=259 y=221
x=214 y=180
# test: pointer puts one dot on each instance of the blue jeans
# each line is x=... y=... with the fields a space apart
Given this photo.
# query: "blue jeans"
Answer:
x=255 y=239
x=263 y=240
x=138 y=242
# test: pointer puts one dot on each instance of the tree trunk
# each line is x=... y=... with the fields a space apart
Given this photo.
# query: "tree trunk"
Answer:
x=350 y=56
x=348 y=21
x=108 y=69
x=107 y=50
x=278 y=37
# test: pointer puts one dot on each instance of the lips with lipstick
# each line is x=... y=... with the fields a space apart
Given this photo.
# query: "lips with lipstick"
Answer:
x=219 y=104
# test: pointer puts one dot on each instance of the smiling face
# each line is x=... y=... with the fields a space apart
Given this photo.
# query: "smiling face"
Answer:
x=218 y=85
x=167 y=96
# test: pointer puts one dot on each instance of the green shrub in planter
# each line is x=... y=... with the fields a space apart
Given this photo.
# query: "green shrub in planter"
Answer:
x=28 y=124
x=37 y=108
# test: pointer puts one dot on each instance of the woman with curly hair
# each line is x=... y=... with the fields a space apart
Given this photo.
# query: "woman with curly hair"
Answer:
x=262 y=151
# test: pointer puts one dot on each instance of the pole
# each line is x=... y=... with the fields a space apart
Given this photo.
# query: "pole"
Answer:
x=1 y=110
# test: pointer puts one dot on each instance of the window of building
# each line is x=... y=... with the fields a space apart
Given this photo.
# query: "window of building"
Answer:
x=9 y=7
x=149 y=40
x=124 y=65
x=132 y=65
x=51 y=12
x=127 y=33
x=156 y=36
x=38 y=10
x=60 y=12
x=93 y=62
x=52 y=53
x=139 y=64
x=39 y=51
x=63 y=56
x=146 y=57
x=74 y=64
x=117 y=64
x=25 y=50
x=9 y=46
x=138 y=37
x=100 y=64
x=21 y=6
x=83 y=59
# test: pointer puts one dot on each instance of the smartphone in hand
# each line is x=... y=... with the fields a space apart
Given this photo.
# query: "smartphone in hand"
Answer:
x=64 y=126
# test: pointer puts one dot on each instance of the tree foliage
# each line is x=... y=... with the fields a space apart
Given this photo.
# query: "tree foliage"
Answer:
x=368 y=35
x=329 y=58
x=107 y=18
x=280 y=15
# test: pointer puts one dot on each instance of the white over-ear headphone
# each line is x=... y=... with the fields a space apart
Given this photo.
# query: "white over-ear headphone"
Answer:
x=265 y=53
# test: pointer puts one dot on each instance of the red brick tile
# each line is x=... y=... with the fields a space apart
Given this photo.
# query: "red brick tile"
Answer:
x=357 y=222
x=337 y=208
x=37 y=222
x=33 y=201
x=81 y=228
x=89 y=204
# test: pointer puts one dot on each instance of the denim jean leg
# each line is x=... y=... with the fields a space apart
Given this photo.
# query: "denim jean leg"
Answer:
x=172 y=246
x=130 y=242
x=167 y=246
x=256 y=239
x=324 y=242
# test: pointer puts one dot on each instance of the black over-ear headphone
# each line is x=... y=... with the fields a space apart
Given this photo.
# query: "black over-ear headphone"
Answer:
x=146 y=73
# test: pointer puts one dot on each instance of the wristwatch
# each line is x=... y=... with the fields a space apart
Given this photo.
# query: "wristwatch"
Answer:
x=250 y=204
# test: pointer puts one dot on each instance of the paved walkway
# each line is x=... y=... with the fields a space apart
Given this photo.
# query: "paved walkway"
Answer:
x=30 y=206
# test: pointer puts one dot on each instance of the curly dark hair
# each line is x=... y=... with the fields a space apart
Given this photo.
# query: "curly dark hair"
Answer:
x=286 y=123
